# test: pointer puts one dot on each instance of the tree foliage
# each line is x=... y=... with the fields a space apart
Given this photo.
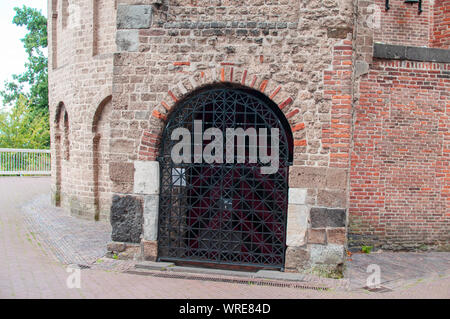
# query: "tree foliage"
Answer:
x=33 y=83
x=27 y=124
x=20 y=128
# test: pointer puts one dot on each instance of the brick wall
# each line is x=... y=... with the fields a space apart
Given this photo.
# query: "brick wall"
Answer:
x=400 y=162
x=440 y=35
x=402 y=24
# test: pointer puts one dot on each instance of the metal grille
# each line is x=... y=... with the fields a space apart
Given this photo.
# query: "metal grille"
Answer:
x=226 y=213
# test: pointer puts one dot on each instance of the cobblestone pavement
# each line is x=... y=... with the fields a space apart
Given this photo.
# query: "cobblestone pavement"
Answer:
x=398 y=269
x=70 y=240
x=37 y=242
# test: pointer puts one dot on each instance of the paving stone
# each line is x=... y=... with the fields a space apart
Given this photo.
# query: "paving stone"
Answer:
x=30 y=234
x=149 y=265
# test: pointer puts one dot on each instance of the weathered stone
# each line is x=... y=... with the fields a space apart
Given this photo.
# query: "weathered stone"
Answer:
x=361 y=68
x=121 y=171
x=332 y=198
x=326 y=254
x=134 y=16
x=325 y=217
x=146 y=177
x=122 y=146
x=336 y=178
x=317 y=236
x=311 y=197
x=124 y=251
x=149 y=250
x=297 y=225
x=402 y=52
x=336 y=236
x=116 y=247
x=151 y=211
x=126 y=219
x=297 y=258
x=338 y=33
x=127 y=40
x=132 y=251
x=297 y=196
x=307 y=177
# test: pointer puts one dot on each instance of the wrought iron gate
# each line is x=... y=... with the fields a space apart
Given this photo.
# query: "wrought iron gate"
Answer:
x=226 y=213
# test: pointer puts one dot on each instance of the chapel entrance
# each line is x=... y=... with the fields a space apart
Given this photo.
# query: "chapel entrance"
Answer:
x=226 y=213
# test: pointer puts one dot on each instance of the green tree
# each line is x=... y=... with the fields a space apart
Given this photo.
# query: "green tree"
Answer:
x=33 y=83
x=20 y=128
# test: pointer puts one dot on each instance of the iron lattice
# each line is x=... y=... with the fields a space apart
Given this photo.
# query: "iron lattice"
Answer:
x=226 y=213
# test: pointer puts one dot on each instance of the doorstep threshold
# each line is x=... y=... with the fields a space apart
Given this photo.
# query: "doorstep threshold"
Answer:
x=260 y=274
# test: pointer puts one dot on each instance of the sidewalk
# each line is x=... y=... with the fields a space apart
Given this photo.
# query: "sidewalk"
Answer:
x=37 y=241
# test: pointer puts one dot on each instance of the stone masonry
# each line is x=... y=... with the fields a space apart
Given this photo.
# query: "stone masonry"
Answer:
x=371 y=144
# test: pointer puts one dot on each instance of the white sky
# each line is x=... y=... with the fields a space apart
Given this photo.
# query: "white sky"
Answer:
x=12 y=53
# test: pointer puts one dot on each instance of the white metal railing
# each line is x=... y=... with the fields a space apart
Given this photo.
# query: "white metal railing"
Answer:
x=24 y=162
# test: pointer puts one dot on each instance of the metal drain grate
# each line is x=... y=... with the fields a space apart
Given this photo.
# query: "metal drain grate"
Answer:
x=252 y=281
x=380 y=289
x=84 y=266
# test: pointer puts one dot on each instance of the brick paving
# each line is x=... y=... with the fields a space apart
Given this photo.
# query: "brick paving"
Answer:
x=71 y=240
x=398 y=269
x=33 y=261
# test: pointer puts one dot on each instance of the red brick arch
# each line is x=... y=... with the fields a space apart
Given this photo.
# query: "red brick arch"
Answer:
x=226 y=72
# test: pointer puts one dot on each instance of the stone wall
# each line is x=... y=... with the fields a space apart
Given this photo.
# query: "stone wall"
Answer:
x=80 y=81
x=297 y=53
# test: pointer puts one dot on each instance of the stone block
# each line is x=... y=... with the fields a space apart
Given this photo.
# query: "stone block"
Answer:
x=326 y=254
x=337 y=178
x=297 y=225
x=402 y=52
x=339 y=32
x=332 y=198
x=146 y=178
x=151 y=211
x=336 y=236
x=126 y=219
x=124 y=251
x=297 y=258
x=134 y=16
x=317 y=236
x=127 y=40
x=297 y=196
x=121 y=171
x=326 y=217
x=149 y=250
x=115 y=247
x=122 y=146
x=307 y=177
x=361 y=68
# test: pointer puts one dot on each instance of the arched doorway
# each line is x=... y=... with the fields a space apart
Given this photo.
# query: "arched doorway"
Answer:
x=100 y=156
x=226 y=213
x=62 y=149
